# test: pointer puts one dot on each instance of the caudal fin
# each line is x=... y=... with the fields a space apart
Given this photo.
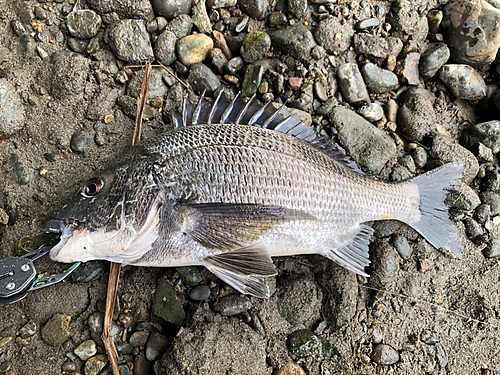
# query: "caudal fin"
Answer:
x=435 y=225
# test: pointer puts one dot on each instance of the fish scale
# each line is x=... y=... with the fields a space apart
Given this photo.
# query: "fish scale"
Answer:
x=230 y=196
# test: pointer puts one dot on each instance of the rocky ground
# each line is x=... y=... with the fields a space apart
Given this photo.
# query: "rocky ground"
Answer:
x=403 y=86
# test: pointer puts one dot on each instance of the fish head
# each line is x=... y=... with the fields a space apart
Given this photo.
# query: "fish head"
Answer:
x=106 y=219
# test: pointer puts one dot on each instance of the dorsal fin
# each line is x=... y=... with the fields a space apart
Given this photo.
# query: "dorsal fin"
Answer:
x=251 y=112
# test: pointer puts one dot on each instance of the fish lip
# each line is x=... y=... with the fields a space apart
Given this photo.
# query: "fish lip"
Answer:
x=66 y=233
x=54 y=226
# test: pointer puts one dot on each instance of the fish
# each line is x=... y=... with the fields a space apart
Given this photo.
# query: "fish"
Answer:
x=235 y=183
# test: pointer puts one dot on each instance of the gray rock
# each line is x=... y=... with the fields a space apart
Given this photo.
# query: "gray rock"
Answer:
x=297 y=7
x=164 y=48
x=255 y=8
x=463 y=81
x=142 y=365
x=157 y=87
x=487 y=133
x=130 y=41
x=420 y=157
x=200 y=293
x=88 y=271
x=320 y=91
x=202 y=79
x=492 y=199
x=493 y=248
x=255 y=45
x=326 y=35
x=11 y=110
x=200 y=17
x=83 y=23
x=56 y=331
x=378 y=80
x=123 y=9
x=385 y=355
x=399 y=173
x=297 y=41
x=155 y=346
x=232 y=305
x=436 y=55
x=69 y=74
x=368 y=44
x=139 y=338
x=472 y=228
x=300 y=300
x=447 y=150
x=410 y=71
x=351 y=84
x=171 y=8
x=463 y=198
x=80 y=142
x=417 y=118
x=181 y=26
x=86 y=350
x=303 y=343
x=232 y=339
x=216 y=4
x=372 y=112
x=482 y=213
x=166 y=305
x=28 y=330
x=404 y=16
x=234 y=65
x=193 y=49
x=407 y=162
x=369 y=146
x=252 y=80
x=473 y=35
x=402 y=246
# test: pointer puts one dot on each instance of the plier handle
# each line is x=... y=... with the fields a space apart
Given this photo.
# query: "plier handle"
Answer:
x=18 y=276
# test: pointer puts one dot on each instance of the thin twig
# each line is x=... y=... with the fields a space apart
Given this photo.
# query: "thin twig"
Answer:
x=160 y=65
x=114 y=277
x=412 y=140
x=114 y=270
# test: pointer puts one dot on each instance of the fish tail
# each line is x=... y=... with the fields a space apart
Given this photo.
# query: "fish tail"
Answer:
x=434 y=224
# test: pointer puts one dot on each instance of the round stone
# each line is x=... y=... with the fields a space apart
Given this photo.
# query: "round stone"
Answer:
x=193 y=49
x=200 y=293
x=164 y=48
x=202 y=79
x=56 y=331
x=372 y=112
x=83 y=23
x=378 y=80
x=232 y=305
x=433 y=59
x=463 y=81
x=171 y=8
x=385 y=355
x=255 y=45
x=94 y=365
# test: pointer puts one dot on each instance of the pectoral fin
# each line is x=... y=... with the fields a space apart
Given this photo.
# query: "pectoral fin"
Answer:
x=232 y=226
x=244 y=269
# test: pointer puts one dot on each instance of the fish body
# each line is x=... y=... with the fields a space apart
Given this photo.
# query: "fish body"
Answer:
x=235 y=184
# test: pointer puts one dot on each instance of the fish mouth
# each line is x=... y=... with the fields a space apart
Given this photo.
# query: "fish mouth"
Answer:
x=66 y=231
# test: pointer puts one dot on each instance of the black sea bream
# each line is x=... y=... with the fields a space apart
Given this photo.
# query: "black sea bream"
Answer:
x=234 y=184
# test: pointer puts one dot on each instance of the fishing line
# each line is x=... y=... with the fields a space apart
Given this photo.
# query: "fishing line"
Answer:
x=432 y=304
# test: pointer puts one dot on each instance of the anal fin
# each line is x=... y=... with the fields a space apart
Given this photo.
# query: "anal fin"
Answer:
x=354 y=254
x=245 y=269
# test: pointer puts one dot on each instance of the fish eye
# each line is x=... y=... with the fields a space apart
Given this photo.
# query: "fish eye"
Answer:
x=93 y=187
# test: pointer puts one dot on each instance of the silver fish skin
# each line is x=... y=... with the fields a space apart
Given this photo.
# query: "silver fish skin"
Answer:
x=235 y=184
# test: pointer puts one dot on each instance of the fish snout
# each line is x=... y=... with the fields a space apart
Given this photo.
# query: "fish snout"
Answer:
x=54 y=226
